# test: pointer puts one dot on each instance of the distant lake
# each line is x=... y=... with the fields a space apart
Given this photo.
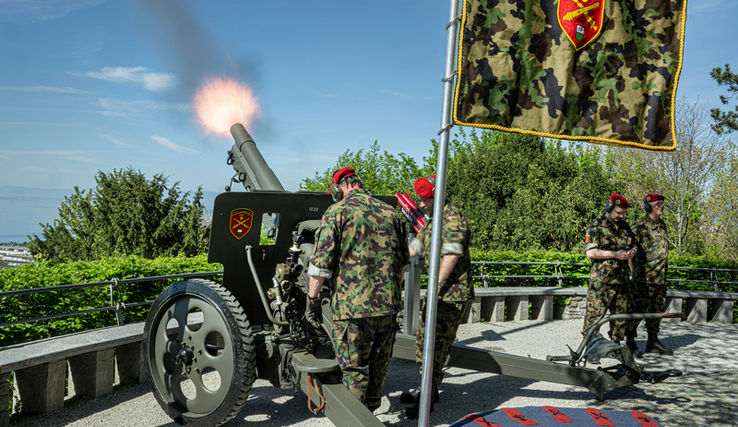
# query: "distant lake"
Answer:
x=14 y=238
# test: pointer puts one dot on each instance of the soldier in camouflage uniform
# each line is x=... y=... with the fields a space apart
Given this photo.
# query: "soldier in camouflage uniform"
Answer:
x=611 y=246
x=455 y=285
x=361 y=247
x=648 y=289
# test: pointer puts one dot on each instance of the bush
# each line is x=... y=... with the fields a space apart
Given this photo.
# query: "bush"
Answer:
x=42 y=274
x=579 y=274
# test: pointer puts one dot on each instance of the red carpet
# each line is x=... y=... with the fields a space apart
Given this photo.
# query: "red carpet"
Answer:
x=548 y=416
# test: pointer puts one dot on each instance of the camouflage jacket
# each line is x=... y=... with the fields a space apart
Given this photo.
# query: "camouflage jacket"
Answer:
x=456 y=237
x=362 y=245
x=652 y=259
x=609 y=236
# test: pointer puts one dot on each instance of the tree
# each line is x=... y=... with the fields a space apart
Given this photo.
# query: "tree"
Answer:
x=382 y=173
x=124 y=214
x=725 y=122
x=523 y=192
x=722 y=207
x=684 y=176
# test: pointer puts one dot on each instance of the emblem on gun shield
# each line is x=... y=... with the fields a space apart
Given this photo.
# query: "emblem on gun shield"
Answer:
x=581 y=20
x=241 y=222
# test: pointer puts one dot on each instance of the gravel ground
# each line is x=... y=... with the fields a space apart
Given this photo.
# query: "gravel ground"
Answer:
x=699 y=348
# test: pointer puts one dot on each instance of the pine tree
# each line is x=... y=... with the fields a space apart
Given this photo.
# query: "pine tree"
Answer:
x=725 y=122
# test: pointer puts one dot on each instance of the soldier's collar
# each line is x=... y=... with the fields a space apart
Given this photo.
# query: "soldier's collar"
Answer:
x=355 y=191
x=647 y=218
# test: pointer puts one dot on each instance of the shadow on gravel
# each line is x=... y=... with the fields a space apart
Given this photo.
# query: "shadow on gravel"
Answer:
x=698 y=399
x=464 y=392
x=493 y=336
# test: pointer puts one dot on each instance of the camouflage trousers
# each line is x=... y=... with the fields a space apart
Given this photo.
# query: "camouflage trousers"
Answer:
x=646 y=298
x=363 y=349
x=448 y=319
x=602 y=297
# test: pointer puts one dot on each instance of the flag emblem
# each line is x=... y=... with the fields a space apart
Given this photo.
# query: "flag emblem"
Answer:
x=241 y=220
x=581 y=20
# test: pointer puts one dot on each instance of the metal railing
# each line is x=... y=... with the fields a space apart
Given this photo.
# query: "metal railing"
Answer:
x=114 y=285
x=557 y=266
x=118 y=305
x=559 y=276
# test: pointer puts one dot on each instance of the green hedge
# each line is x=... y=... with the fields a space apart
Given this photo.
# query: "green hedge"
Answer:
x=41 y=274
x=581 y=273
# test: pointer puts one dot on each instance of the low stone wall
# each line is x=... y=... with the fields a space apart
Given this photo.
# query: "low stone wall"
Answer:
x=529 y=303
x=89 y=362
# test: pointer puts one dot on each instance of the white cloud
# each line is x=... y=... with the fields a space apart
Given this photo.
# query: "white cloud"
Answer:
x=30 y=11
x=80 y=159
x=166 y=106
x=116 y=107
x=111 y=114
x=172 y=146
x=126 y=75
x=392 y=93
x=43 y=89
x=74 y=155
x=110 y=104
x=113 y=140
x=51 y=153
x=66 y=154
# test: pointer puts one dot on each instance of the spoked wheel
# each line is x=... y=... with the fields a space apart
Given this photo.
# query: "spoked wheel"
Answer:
x=198 y=351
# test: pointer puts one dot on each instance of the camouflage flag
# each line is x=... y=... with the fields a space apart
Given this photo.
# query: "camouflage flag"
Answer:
x=601 y=71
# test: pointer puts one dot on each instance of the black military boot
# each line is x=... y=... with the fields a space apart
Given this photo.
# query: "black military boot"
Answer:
x=630 y=342
x=653 y=345
x=413 y=411
x=412 y=396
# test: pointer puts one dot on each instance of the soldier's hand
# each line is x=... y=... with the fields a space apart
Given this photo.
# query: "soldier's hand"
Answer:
x=623 y=255
x=313 y=312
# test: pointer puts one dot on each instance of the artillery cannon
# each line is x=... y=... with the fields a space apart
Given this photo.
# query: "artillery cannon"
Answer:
x=206 y=343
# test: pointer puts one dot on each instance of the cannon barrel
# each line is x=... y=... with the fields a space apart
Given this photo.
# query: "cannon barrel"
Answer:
x=263 y=176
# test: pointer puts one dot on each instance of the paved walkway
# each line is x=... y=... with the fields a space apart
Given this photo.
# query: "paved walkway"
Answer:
x=707 y=393
x=696 y=399
x=704 y=396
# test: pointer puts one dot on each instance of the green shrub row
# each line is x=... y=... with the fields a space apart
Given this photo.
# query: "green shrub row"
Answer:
x=581 y=273
x=41 y=274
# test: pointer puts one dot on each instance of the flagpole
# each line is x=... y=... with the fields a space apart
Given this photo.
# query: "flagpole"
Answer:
x=438 y=205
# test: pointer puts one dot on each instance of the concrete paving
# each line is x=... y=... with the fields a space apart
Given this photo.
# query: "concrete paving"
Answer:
x=704 y=396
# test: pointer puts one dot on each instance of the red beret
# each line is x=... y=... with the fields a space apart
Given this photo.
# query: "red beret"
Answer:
x=619 y=201
x=341 y=174
x=425 y=188
x=654 y=197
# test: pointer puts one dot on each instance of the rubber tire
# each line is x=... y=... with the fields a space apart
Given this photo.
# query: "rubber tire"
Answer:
x=239 y=346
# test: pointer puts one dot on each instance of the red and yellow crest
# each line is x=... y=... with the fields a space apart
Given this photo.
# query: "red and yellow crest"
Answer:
x=241 y=220
x=581 y=20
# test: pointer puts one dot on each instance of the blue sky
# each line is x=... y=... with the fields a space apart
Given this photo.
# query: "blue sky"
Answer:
x=88 y=85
